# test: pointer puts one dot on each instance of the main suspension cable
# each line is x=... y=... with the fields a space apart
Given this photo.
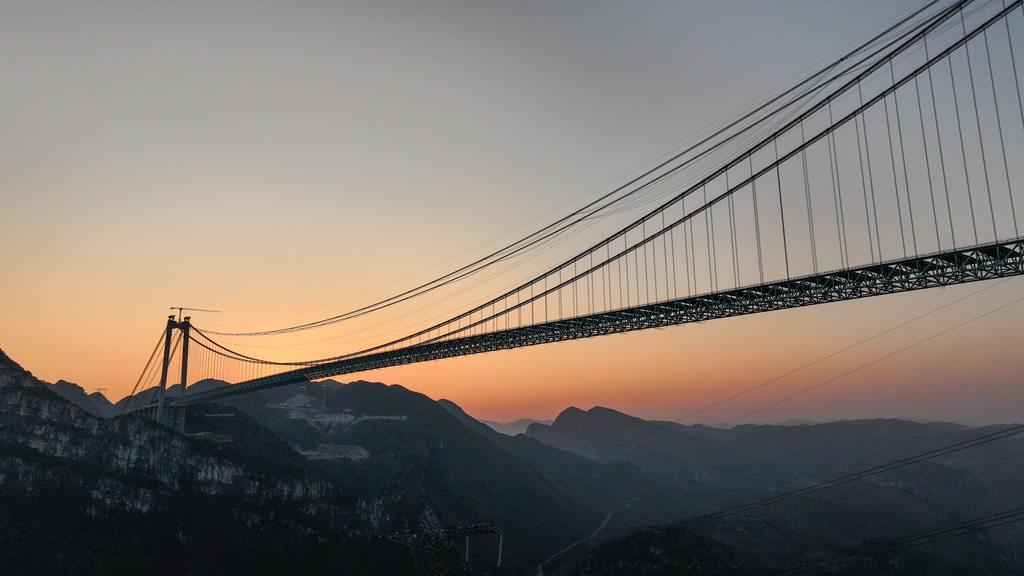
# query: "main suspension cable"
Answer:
x=606 y=201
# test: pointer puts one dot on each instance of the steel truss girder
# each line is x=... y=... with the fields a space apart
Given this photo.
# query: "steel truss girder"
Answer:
x=984 y=262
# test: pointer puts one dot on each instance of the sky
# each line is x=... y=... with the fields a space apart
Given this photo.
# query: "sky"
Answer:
x=282 y=162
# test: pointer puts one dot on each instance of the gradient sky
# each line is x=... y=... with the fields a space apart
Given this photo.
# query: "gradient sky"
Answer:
x=290 y=161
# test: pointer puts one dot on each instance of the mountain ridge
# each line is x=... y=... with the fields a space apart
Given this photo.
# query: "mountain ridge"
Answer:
x=382 y=458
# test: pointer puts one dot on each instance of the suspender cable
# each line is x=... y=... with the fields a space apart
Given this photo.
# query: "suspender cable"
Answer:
x=782 y=210
x=864 y=179
x=903 y=161
x=999 y=127
x=587 y=211
x=757 y=223
x=960 y=137
x=938 y=140
x=1020 y=109
x=807 y=200
x=927 y=164
x=981 y=139
x=895 y=179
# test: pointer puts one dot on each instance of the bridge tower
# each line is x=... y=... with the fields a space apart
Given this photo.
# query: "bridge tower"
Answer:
x=173 y=416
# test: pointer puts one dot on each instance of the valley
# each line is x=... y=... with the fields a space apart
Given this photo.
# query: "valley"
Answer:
x=288 y=478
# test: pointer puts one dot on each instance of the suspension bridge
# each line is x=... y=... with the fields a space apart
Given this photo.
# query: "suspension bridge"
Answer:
x=896 y=167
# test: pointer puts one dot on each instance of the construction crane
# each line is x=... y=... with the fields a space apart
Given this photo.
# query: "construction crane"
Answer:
x=180 y=309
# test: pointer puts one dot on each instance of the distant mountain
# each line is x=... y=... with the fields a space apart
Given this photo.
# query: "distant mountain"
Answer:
x=752 y=462
x=852 y=530
x=149 y=395
x=662 y=448
x=514 y=428
x=409 y=452
x=320 y=471
x=756 y=457
x=95 y=403
x=404 y=451
x=98 y=405
x=86 y=495
x=632 y=496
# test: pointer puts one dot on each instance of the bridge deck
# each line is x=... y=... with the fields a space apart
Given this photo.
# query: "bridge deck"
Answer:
x=983 y=262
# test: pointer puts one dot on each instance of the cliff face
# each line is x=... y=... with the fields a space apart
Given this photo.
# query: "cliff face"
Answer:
x=77 y=489
x=421 y=467
x=378 y=460
x=131 y=462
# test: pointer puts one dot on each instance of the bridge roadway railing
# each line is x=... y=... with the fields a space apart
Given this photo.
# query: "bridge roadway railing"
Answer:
x=983 y=262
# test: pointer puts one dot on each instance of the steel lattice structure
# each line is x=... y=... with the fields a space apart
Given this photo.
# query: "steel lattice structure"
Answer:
x=893 y=169
x=439 y=543
x=985 y=262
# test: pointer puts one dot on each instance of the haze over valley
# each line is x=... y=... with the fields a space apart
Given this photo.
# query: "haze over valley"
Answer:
x=313 y=477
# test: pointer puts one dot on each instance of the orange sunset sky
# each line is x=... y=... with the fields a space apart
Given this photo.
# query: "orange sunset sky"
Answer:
x=284 y=162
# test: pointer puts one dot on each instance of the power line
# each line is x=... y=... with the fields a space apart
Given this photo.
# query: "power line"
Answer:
x=971 y=443
x=903 y=462
x=919 y=539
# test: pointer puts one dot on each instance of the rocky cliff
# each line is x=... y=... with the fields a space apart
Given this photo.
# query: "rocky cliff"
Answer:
x=79 y=492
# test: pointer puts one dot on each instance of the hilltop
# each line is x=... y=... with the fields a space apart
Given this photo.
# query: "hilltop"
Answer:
x=323 y=472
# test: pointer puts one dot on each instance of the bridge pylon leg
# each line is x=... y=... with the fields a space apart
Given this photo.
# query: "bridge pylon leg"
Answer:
x=173 y=416
x=161 y=394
